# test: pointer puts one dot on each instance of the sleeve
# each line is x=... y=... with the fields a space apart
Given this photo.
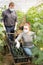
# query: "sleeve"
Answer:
x=20 y=36
x=34 y=35
x=3 y=15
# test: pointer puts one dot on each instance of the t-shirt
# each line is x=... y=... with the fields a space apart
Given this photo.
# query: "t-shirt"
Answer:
x=27 y=38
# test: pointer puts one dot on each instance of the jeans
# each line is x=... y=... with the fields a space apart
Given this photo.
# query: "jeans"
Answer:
x=11 y=37
x=10 y=30
x=28 y=51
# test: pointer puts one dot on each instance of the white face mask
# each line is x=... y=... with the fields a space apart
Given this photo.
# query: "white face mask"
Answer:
x=26 y=29
x=12 y=9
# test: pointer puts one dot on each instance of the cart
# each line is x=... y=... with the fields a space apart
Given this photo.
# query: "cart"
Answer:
x=19 y=56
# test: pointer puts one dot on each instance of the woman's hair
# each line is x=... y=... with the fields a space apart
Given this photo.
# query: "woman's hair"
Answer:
x=11 y=4
x=22 y=27
x=27 y=23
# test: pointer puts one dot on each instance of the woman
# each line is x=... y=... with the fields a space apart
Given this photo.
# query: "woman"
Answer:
x=27 y=37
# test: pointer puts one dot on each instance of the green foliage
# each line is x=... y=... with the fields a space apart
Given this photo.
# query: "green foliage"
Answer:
x=38 y=28
x=35 y=14
x=20 y=17
x=35 y=17
x=0 y=13
x=39 y=59
x=2 y=9
x=2 y=35
x=38 y=41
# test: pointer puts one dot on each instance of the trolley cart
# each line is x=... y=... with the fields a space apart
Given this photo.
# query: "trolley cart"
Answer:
x=18 y=55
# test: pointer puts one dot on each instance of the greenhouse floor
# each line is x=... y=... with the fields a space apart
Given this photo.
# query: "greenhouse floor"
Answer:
x=8 y=60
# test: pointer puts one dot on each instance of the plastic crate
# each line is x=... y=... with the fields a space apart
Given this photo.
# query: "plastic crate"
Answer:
x=21 y=59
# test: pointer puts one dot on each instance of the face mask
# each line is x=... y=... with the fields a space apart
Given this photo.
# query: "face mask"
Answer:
x=26 y=29
x=12 y=9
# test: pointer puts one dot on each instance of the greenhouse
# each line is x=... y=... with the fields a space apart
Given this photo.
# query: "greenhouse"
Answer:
x=21 y=32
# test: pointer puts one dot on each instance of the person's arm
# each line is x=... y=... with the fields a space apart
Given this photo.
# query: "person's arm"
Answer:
x=16 y=21
x=4 y=15
x=17 y=40
x=3 y=19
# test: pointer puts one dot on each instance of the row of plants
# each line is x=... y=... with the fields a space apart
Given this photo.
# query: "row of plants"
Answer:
x=35 y=14
x=38 y=42
x=2 y=35
x=2 y=42
x=35 y=17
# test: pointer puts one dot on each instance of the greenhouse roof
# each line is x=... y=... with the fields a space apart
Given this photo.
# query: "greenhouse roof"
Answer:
x=22 y=5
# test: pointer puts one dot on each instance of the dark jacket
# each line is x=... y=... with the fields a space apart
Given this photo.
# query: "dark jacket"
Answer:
x=9 y=17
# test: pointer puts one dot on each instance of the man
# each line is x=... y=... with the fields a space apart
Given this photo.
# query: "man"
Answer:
x=10 y=23
x=27 y=37
x=10 y=20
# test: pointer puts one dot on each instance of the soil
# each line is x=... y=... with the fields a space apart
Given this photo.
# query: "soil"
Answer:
x=8 y=60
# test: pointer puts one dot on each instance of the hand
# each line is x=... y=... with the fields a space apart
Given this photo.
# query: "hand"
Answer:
x=15 y=28
x=18 y=45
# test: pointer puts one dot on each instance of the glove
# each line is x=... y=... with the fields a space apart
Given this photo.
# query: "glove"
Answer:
x=18 y=44
x=15 y=28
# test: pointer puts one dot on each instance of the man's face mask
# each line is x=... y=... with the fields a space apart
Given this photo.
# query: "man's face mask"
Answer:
x=26 y=29
x=11 y=9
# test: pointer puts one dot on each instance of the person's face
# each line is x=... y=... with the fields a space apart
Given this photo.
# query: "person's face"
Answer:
x=26 y=28
x=11 y=7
